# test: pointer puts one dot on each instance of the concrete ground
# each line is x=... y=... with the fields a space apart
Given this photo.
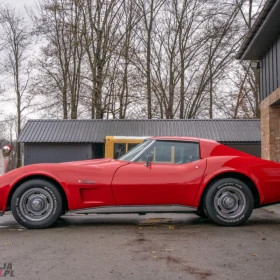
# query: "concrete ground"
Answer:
x=116 y=247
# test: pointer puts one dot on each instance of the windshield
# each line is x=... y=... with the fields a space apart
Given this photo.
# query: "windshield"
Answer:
x=135 y=151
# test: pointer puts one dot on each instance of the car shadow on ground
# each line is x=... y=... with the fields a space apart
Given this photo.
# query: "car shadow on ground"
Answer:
x=259 y=218
x=114 y=220
x=134 y=220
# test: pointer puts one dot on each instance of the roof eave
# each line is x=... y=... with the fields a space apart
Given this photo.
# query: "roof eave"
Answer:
x=249 y=43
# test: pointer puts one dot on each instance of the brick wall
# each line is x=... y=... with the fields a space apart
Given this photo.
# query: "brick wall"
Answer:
x=270 y=126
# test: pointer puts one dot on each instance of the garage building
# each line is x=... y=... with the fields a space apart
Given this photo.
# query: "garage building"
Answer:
x=70 y=140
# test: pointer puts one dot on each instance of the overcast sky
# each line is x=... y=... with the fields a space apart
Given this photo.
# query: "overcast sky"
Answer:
x=19 y=4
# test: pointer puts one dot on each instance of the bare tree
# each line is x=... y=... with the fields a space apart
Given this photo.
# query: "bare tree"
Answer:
x=178 y=41
x=144 y=59
x=101 y=39
x=126 y=51
x=60 y=23
x=149 y=11
x=15 y=41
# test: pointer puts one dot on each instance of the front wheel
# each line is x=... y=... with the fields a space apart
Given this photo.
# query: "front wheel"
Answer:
x=229 y=202
x=36 y=204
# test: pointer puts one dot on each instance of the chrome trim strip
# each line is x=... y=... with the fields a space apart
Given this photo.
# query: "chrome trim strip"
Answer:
x=136 y=209
x=152 y=142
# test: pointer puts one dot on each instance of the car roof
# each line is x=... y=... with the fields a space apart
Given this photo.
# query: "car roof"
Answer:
x=182 y=138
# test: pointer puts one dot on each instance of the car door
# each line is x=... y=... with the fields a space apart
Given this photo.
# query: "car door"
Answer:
x=173 y=177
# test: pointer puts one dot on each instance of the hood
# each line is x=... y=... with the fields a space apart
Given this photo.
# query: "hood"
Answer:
x=88 y=162
x=47 y=168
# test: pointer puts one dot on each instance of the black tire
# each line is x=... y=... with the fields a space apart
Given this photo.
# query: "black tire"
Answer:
x=229 y=202
x=36 y=204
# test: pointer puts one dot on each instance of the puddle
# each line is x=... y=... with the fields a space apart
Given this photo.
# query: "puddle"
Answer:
x=155 y=221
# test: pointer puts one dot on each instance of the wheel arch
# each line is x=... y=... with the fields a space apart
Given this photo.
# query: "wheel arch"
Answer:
x=40 y=177
x=236 y=175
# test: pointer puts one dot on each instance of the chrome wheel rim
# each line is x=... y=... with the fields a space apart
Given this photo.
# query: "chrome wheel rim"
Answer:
x=36 y=205
x=230 y=202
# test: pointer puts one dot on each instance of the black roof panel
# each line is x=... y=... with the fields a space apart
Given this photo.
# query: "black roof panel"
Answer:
x=94 y=131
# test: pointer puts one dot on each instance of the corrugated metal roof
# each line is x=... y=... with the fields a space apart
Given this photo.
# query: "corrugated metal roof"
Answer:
x=263 y=33
x=94 y=131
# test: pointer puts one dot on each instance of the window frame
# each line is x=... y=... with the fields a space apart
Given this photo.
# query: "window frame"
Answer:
x=166 y=140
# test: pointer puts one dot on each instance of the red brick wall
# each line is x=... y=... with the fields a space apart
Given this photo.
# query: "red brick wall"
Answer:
x=270 y=126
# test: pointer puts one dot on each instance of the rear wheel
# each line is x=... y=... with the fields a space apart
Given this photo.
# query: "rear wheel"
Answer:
x=229 y=202
x=36 y=204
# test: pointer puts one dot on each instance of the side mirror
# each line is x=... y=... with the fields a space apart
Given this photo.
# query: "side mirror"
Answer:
x=6 y=150
x=148 y=162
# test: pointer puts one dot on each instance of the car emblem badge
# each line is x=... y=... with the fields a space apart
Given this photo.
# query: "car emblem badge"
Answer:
x=86 y=182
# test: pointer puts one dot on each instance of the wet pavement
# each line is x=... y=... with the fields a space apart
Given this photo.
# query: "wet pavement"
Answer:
x=166 y=246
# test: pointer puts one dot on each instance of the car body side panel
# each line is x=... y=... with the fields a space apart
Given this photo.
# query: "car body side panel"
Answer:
x=264 y=174
x=210 y=148
x=5 y=188
x=86 y=184
x=159 y=184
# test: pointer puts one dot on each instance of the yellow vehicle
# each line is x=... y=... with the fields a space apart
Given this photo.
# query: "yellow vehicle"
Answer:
x=116 y=146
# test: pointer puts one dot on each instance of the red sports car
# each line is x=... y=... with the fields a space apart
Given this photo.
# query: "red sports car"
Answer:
x=161 y=175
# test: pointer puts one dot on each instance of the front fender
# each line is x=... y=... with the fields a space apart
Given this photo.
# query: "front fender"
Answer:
x=75 y=179
x=9 y=181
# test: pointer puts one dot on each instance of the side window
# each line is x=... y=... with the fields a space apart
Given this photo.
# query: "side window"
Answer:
x=172 y=152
